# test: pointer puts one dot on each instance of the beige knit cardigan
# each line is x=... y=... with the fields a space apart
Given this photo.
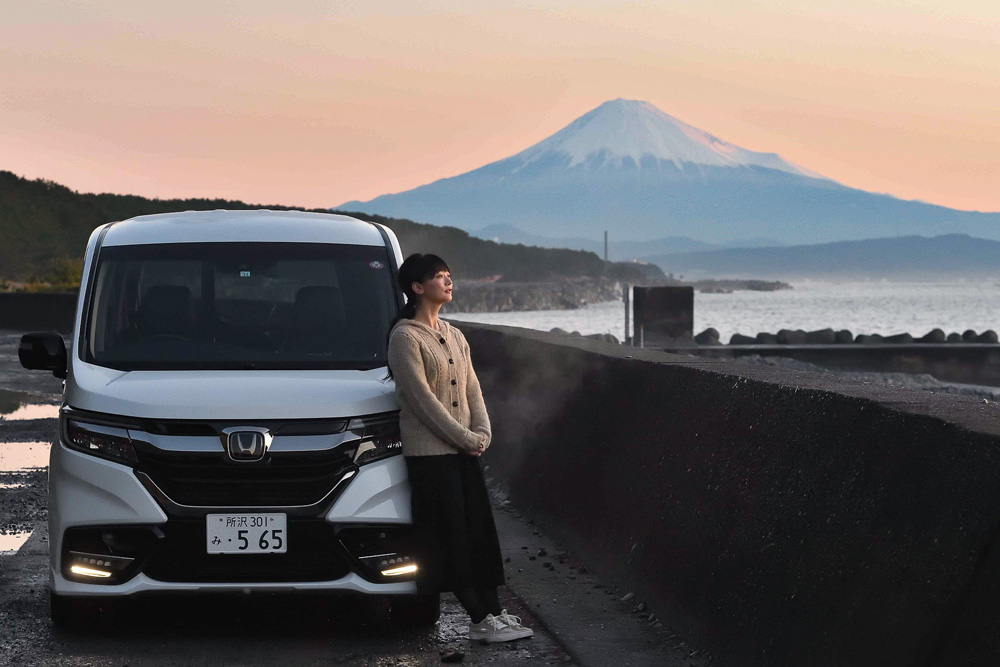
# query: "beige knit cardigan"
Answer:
x=441 y=408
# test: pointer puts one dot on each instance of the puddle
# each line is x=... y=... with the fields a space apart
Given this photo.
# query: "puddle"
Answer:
x=33 y=411
x=21 y=405
x=19 y=455
x=9 y=544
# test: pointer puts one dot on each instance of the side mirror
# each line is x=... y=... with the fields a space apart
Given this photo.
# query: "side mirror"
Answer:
x=43 y=351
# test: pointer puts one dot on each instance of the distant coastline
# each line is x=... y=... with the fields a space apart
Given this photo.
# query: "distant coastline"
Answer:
x=503 y=297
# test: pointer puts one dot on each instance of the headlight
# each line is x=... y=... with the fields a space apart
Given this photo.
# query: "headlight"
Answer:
x=106 y=442
x=379 y=437
x=377 y=449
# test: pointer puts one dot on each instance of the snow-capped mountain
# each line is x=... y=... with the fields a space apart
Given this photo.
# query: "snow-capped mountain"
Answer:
x=632 y=169
x=623 y=134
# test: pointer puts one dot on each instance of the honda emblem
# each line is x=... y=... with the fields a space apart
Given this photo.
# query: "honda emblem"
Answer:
x=246 y=445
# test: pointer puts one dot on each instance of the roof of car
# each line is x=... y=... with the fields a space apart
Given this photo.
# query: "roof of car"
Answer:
x=237 y=226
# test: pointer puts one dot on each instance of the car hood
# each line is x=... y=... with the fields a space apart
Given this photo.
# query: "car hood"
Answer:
x=230 y=394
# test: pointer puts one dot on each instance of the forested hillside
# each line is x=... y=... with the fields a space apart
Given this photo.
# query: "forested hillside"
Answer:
x=43 y=224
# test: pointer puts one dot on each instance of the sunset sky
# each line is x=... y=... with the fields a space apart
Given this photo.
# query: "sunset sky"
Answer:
x=315 y=103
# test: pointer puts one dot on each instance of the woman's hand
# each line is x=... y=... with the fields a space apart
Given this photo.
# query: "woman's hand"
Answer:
x=479 y=450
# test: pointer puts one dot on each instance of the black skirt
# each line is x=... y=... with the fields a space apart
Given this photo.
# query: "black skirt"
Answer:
x=457 y=545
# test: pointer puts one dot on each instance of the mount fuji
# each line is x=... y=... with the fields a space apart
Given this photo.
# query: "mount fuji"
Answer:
x=632 y=169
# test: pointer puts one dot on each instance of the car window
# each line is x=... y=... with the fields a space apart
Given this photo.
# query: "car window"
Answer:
x=240 y=305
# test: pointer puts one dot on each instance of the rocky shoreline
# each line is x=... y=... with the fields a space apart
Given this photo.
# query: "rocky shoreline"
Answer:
x=502 y=297
x=710 y=336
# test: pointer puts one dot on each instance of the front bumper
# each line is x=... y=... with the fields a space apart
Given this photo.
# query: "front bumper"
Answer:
x=89 y=492
x=141 y=584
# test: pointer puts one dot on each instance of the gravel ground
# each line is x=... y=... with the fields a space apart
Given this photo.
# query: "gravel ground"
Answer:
x=23 y=504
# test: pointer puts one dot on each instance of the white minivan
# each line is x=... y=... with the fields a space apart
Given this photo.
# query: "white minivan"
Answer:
x=227 y=423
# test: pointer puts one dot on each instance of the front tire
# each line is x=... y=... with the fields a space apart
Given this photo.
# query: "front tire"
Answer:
x=67 y=611
x=415 y=610
x=64 y=611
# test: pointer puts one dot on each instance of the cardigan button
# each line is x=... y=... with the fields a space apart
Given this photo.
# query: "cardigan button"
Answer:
x=441 y=340
x=454 y=381
x=454 y=404
x=451 y=361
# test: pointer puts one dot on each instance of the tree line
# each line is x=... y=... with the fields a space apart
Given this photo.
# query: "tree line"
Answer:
x=44 y=227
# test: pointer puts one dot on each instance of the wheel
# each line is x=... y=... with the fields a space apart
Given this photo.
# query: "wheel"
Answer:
x=415 y=610
x=63 y=610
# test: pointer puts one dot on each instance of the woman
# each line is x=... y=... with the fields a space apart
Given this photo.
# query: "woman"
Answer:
x=445 y=429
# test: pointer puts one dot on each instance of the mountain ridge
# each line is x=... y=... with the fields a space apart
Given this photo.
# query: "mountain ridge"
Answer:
x=618 y=250
x=906 y=257
x=588 y=177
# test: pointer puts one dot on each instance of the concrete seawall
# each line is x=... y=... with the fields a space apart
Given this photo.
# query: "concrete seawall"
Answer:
x=30 y=311
x=785 y=518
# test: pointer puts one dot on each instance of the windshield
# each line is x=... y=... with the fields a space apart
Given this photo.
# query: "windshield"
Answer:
x=240 y=305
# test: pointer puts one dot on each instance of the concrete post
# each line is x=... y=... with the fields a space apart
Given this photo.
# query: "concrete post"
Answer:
x=664 y=315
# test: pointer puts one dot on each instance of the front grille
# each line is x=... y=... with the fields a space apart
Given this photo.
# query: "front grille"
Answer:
x=181 y=427
x=211 y=479
x=181 y=556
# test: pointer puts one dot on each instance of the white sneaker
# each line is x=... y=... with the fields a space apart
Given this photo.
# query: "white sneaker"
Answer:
x=514 y=623
x=492 y=629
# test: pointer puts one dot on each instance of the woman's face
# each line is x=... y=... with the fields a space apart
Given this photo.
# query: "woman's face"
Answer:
x=436 y=289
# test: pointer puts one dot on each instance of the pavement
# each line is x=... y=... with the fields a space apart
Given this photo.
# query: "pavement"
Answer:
x=597 y=623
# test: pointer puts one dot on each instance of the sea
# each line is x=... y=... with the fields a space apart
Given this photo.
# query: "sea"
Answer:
x=882 y=307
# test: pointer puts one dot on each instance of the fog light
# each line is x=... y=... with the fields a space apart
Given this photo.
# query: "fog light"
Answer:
x=397 y=571
x=97 y=566
x=89 y=572
x=382 y=552
x=117 y=550
x=391 y=565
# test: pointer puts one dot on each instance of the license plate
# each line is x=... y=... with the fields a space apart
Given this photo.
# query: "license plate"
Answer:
x=247 y=533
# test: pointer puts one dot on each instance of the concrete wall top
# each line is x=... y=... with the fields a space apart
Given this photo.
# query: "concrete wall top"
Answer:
x=967 y=412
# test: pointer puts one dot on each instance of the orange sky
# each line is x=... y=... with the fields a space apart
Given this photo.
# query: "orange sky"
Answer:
x=316 y=102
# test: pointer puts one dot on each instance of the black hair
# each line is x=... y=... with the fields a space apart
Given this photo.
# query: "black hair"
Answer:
x=416 y=268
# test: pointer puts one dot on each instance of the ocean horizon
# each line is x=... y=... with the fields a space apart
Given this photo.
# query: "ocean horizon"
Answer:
x=871 y=307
